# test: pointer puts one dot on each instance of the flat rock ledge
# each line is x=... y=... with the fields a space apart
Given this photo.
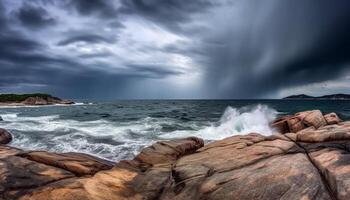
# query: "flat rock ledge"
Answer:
x=310 y=163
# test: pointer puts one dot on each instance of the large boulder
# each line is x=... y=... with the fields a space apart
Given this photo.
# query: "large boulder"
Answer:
x=5 y=136
x=312 y=118
x=332 y=118
x=300 y=121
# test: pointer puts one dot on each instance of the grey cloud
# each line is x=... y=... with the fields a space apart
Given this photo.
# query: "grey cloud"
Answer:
x=246 y=49
x=102 y=8
x=34 y=17
x=152 y=71
x=274 y=48
x=88 y=38
x=169 y=13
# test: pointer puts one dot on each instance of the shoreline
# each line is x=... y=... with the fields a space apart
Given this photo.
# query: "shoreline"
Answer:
x=20 y=105
x=308 y=158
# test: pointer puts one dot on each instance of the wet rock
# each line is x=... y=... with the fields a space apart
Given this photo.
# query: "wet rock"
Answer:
x=332 y=118
x=1 y=119
x=5 y=136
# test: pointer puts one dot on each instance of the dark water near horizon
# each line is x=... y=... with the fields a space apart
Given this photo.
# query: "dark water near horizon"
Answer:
x=120 y=129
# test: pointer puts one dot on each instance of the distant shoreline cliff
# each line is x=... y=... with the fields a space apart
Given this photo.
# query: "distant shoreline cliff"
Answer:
x=325 y=97
x=31 y=99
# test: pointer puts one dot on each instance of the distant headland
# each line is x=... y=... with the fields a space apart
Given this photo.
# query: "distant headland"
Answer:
x=325 y=97
x=31 y=99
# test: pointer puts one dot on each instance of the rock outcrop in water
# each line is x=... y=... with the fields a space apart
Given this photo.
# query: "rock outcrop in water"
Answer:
x=31 y=99
x=311 y=163
x=5 y=136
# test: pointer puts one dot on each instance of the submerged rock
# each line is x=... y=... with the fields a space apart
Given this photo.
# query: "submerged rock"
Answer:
x=311 y=163
x=5 y=136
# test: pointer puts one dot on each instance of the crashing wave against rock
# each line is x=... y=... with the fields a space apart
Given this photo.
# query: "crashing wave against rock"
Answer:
x=309 y=159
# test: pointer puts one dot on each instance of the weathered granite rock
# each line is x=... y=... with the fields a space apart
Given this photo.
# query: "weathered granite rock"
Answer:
x=295 y=124
x=142 y=178
x=313 y=163
x=5 y=136
x=302 y=120
x=312 y=118
x=76 y=163
x=332 y=118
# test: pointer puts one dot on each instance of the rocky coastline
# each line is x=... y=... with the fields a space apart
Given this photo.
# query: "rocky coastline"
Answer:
x=31 y=100
x=307 y=158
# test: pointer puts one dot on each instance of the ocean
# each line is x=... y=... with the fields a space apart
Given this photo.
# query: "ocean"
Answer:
x=120 y=129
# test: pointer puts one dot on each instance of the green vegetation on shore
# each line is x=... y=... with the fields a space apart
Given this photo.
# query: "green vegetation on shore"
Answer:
x=21 y=97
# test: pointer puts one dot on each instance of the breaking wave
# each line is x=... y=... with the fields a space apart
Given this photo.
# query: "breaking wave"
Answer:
x=236 y=121
x=116 y=140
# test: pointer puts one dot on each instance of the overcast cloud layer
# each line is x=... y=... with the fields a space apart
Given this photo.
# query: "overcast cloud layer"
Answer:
x=105 y=49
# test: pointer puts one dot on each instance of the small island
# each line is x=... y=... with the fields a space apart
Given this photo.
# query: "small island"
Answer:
x=324 y=97
x=31 y=99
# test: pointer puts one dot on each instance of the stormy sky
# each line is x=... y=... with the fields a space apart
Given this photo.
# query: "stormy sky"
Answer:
x=140 y=49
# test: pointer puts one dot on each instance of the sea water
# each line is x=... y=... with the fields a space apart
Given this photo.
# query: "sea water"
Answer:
x=120 y=129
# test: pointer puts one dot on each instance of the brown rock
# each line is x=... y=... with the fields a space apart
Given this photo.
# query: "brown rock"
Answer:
x=35 y=101
x=281 y=125
x=312 y=118
x=142 y=178
x=76 y=163
x=295 y=124
x=332 y=118
x=5 y=136
x=19 y=174
x=299 y=121
x=309 y=164
x=166 y=152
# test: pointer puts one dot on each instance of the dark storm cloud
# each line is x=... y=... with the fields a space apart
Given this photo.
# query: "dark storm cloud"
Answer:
x=243 y=48
x=276 y=48
x=102 y=8
x=169 y=13
x=153 y=71
x=88 y=38
x=34 y=17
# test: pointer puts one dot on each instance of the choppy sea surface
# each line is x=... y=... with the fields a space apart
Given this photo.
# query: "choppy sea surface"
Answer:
x=120 y=129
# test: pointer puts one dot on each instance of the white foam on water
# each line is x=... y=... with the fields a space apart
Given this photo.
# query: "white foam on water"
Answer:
x=51 y=133
x=116 y=140
x=253 y=119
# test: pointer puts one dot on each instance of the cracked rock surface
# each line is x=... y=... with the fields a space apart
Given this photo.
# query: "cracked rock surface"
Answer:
x=310 y=163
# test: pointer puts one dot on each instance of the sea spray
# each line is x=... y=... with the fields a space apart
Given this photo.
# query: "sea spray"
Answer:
x=81 y=129
x=235 y=121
